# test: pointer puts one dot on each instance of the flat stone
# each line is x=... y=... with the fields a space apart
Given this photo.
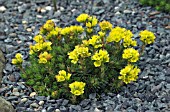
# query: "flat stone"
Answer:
x=154 y=13
x=5 y=106
x=35 y=105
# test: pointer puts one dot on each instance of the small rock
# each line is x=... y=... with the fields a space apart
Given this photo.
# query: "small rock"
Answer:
x=57 y=110
x=154 y=13
x=48 y=8
x=35 y=105
x=116 y=9
x=100 y=11
x=117 y=13
x=41 y=103
x=15 y=90
x=29 y=29
x=39 y=16
x=127 y=11
x=62 y=9
x=63 y=109
x=24 y=22
x=33 y=94
x=43 y=10
x=16 y=93
x=12 y=34
x=2 y=8
x=65 y=102
x=167 y=27
x=58 y=13
x=24 y=99
x=43 y=110
x=97 y=110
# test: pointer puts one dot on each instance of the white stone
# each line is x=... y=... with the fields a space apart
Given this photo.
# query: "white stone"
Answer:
x=41 y=103
x=43 y=10
x=61 y=8
x=127 y=11
x=97 y=110
x=29 y=30
x=24 y=100
x=48 y=8
x=2 y=8
x=39 y=16
x=33 y=94
x=24 y=22
x=116 y=9
x=117 y=13
x=57 y=110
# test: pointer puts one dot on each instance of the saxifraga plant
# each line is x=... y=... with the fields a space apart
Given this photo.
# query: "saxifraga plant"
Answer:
x=73 y=62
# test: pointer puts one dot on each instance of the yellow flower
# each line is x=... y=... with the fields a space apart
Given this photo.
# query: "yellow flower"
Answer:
x=129 y=73
x=116 y=34
x=18 y=59
x=128 y=41
x=79 y=51
x=100 y=57
x=65 y=31
x=105 y=25
x=62 y=76
x=45 y=55
x=88 y=24
x=89 y=30
x=77 y=88
x=38 y=39
x=147 y=37
x=42 y=60
x=82 y=17
x=95 y=41
x=47 y=46
x=49 y=25
x=94 y=21
x=101 y=34
x=130 y=54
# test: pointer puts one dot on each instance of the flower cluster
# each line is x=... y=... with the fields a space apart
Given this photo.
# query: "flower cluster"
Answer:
x=116 y=34
x=62 y=76
x=77 y=88
x=131 y=55
x=105 y=25
x=64 y=60
x=44 y=57
x=90 y=21
x=48 y=26
x=100 y=57
x=147 y=37
x=38 y=47
x=72 y=30
x=17 y=60
x=95 y=41
x=78 y=52
x=129 y=74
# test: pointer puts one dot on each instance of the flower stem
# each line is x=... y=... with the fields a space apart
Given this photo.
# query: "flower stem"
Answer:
x=142 y=49
x=102 y=70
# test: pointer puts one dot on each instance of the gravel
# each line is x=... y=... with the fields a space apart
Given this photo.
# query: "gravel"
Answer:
x=20 y=21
